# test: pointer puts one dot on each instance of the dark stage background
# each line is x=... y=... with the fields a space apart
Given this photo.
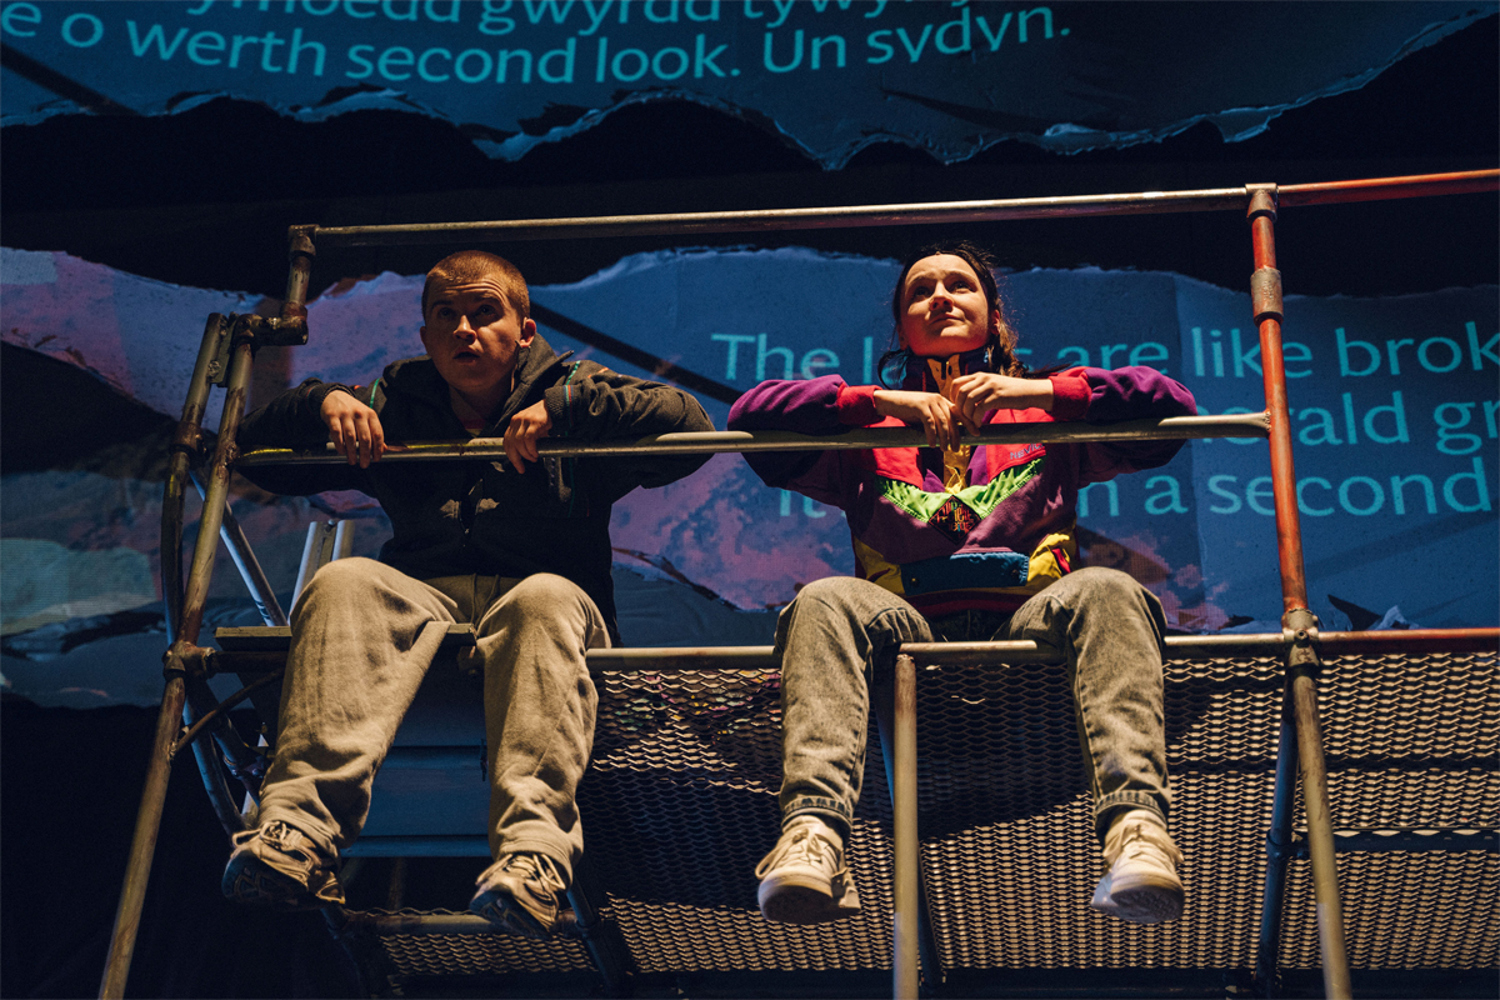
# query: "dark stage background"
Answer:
x=203 y=198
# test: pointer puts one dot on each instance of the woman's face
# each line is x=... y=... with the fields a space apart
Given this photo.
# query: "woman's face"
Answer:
x=944 y=311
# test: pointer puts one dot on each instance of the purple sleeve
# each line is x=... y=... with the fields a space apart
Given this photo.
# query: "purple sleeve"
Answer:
x=1131 y=394
x=808 y=406
x=1134 y=394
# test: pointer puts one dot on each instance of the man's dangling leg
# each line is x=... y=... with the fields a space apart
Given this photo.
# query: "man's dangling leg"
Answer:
x=363 y=637
x=540 y=705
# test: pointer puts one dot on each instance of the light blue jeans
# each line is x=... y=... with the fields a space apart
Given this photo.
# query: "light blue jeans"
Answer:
x=841 y=635
x=363 y=637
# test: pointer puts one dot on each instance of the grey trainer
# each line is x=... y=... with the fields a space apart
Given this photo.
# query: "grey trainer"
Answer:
x=519 y=893
x=276 y=865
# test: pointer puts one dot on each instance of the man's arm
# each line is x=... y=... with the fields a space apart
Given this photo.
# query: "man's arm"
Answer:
x=295 y=419
x=596 y=404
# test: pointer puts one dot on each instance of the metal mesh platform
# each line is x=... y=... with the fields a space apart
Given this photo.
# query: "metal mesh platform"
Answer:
x=680 y=804
x=477 y=954
x=1411 y=743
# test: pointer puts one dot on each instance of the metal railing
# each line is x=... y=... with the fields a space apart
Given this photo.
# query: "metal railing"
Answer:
x=225 y=358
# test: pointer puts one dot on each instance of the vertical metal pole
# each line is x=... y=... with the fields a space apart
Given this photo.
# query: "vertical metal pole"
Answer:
x=907 y=847
x=1320 y=838
x=601 y=940
x=1297 y=620
x=300 y=253
x=312 y=556
x=881 y=700
x=237 y=387
x=184 y=446
x=148 y=819
x=1278 y=850
x=143 y=845
x=1265 y=296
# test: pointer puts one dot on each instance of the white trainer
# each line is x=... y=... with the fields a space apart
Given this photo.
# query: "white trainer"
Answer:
x=804 y=880
x=1141 y=885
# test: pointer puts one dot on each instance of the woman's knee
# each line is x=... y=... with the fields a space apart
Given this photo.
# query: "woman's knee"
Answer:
x=851 y=594
x=1100 y=584
x=1100 y=594
x=849 y=606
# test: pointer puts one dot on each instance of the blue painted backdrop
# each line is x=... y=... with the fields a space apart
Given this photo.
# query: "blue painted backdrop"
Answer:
x=1393 y=400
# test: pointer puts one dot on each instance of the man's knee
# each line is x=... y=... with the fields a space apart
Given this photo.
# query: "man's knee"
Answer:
x=342 y=579
x=542 y=597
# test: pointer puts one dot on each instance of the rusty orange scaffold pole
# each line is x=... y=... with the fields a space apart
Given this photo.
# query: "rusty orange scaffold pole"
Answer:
x=1299 y=624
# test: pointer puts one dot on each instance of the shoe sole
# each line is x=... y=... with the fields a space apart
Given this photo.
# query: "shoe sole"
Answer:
x=502 y=910
x=256 y=883
x=1147 y=902
x=794 y=899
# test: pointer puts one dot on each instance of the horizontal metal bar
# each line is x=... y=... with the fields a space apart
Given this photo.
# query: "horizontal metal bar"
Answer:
x=909 y=214
x=255 y=655
x=275 y=639
x=686 y=658
x=1406 y=840
x=418 y=846
x=1387 y=188
x=1179 y=647
x=1416 y=640
x=419 y=924
x=714 y=442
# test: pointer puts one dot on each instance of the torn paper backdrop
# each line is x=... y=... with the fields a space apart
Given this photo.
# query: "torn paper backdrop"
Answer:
x=830 y=76
x=1393 y=402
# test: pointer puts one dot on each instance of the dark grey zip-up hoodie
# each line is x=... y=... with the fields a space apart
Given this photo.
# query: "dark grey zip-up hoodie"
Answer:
x=466 y=516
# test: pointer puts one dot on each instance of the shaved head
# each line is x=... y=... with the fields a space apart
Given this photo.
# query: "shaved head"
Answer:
x=469 y=266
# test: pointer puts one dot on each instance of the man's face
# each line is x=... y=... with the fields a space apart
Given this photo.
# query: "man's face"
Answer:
x=473 y=335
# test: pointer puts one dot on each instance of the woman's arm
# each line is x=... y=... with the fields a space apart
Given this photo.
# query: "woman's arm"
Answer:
x=1138 y=393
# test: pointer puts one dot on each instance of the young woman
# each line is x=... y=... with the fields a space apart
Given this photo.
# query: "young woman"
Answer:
x=963 y=542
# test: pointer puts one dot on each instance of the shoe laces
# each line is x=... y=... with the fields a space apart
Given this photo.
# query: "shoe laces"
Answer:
x=287 y=840
x=805 y=846
x=282 y=837
x=1138 y=838
x=536 y=868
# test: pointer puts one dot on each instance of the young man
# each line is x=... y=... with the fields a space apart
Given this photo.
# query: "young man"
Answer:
x=519 y=548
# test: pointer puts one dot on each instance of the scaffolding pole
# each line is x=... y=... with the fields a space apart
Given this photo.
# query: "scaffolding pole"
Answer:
x=240 y=341
x=1298 y=622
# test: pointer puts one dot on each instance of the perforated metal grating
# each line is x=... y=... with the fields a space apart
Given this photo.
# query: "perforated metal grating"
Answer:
x=1410 y=742
x=475 y=954
x=680 y=804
